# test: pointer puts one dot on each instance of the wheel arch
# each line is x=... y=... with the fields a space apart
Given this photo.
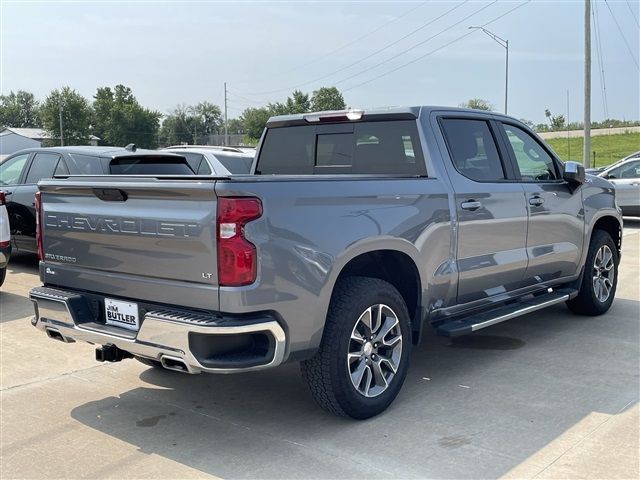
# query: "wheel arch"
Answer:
x=385 y=264
x=612 y=226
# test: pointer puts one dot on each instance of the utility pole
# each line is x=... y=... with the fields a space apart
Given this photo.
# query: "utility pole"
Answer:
x=568 y=140
x=60 y=108
x=226 y=123
x=587 y=84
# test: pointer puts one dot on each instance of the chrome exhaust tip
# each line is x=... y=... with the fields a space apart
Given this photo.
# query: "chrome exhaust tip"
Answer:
x=175 y=363
x=56 y=335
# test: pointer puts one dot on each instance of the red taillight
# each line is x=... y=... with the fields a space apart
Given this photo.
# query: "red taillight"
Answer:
x=38 y=206
x=237 y=262
x=2 y=199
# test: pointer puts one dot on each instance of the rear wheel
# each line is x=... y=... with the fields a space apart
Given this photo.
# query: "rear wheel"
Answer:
x=600 y=278
x=364 y=354
x=3 y=275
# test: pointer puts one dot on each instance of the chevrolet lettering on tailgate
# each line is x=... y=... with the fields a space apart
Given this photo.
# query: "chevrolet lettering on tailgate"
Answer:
x=132 y=226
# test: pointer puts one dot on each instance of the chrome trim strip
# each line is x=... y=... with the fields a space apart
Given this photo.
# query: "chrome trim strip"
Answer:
x=517 y=313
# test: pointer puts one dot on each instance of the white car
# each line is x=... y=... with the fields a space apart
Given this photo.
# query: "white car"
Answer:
x=625 y=176
x=212 y=160
x=5 y=239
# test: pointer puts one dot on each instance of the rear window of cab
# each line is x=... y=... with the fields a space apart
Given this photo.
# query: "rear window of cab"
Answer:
x=379 y=148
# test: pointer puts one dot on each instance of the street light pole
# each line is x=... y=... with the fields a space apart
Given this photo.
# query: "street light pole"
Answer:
x=506 y=76
x=505 y=44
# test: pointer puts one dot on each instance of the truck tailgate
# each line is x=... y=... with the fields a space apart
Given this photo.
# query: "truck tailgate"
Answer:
x=146 y=238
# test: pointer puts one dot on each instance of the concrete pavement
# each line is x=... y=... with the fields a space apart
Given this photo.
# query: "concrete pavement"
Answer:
x=549 y=395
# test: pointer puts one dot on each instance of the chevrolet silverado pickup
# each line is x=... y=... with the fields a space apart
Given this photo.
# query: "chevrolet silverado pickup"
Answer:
x=355 y=232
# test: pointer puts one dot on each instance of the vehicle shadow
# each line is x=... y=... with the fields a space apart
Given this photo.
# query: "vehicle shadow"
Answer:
x=14 y=307
x=475 y=406
x=23 y=263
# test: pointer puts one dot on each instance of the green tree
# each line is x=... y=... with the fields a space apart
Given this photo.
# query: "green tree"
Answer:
x=19 y=109
x=175 y=127
x=298 y=102
x=236 y=126
x=327 y=98
x=119 y=119
x=76 y=116
x=186 y=123
x=477 y=104
x=207 y=117
x=254 y=121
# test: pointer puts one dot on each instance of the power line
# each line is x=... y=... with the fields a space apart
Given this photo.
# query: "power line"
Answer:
x=356 y=40
x=435 y=50
x=386 y=47
x=598 y=35
x=240 y=97
x=362 y=59
x=413 y=47
x=632 y=13
x=622 y=34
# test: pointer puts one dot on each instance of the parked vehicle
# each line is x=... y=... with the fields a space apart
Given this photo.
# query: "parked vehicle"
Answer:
x=356 y=230
x=625 y=176
x=598 y=170
x=5 y=239
x=212 y=160
x=20 y=173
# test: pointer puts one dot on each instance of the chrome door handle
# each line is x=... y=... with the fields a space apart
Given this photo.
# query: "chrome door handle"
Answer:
x=471 y=205
x=536 y=201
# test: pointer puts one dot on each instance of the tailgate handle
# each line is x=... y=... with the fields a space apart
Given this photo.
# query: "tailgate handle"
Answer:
x=110 y=194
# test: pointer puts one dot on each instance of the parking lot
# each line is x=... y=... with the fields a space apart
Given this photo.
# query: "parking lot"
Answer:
x=547 y=395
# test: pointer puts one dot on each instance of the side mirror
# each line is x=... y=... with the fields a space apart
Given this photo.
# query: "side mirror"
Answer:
x=573 y=173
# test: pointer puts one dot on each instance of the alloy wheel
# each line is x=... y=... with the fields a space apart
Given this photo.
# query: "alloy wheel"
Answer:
x=375 y=350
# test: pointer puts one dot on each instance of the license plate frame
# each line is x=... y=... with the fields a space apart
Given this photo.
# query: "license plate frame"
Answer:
x=119 y=313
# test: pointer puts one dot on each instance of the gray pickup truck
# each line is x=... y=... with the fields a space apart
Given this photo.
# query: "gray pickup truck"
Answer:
x=355 y=231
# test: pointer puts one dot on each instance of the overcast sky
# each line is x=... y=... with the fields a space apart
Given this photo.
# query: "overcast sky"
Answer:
x=182 y=52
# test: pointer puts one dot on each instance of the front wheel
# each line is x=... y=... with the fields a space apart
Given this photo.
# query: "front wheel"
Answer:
x=364 y=354
x=600 y=277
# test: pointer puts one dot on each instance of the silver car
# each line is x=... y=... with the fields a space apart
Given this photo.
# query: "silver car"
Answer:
x=625 y=176
x=216 y=160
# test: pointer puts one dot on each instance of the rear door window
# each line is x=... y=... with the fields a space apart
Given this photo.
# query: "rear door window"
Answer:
x=87 y=164
x=473 y=149
x=385 y=147
x=42 y=166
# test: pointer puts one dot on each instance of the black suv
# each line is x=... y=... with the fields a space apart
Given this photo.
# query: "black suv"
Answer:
x=21 y=172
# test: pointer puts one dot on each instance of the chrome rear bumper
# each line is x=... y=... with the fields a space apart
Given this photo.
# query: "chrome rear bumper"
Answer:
x=164 y=334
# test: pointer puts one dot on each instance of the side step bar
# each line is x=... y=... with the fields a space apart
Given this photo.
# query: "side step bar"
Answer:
x=467 y=325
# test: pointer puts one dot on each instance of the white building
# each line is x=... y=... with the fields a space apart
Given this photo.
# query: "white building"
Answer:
x=14 y=139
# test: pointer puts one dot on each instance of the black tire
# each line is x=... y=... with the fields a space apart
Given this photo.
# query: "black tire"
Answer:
x=3 y=275
x=587 y=302
x=150 y=363
x=328 y=373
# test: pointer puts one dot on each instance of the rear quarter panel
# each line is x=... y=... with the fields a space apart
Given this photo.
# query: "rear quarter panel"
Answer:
x=313 y=226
